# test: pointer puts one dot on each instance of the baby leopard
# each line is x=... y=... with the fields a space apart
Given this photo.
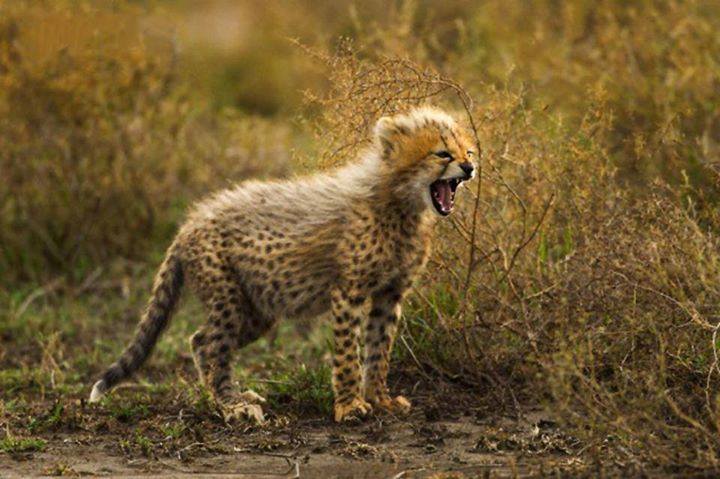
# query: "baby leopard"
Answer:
x=348 y=242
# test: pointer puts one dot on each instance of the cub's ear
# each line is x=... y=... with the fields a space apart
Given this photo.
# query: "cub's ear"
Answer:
x=386 y=131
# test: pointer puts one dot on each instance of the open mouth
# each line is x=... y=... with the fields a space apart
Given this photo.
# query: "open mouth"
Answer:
x=442 y=193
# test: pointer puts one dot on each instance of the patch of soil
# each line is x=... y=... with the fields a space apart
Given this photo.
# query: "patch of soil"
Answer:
x=438 y=437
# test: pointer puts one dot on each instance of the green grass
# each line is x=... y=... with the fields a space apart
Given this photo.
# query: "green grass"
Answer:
x=138 y=443
x=12 y=445
x=306 y=389
x=63 y=365
x=48 y=421
x=174 y=430
x=128 y=412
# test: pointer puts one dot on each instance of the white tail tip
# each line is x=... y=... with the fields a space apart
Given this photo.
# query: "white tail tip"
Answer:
x=98 y=391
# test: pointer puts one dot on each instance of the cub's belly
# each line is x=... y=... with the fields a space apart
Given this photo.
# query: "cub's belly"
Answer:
x=295 y=295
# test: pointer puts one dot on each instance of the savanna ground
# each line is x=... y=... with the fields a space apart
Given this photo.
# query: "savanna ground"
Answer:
x=567 y=323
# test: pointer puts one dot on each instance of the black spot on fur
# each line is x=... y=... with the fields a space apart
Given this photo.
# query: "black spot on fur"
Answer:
x=357 y=300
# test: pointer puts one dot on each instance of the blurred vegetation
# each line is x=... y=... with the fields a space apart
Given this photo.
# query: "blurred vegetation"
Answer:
x=581 y=274
x=101 y=147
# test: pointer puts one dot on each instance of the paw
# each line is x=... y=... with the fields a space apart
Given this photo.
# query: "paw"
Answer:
x=353 y=410
x=251 y=397
x=243 y=412
x=397 y=405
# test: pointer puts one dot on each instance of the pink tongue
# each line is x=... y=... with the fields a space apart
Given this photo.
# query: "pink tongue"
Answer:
x=444 y=195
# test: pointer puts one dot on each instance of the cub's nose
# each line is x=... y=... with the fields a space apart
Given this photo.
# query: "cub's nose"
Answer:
x=468 y=168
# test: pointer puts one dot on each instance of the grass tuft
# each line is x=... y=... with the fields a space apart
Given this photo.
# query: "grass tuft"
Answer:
x=304 y=389
x=13 y=445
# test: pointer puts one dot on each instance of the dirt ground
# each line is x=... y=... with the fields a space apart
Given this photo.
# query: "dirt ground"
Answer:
x=434 y=441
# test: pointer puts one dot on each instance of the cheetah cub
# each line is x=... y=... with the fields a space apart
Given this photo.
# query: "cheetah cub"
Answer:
x=348 y=242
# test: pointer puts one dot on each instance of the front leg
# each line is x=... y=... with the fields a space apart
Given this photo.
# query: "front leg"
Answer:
x=379 y=336
x=347 y=308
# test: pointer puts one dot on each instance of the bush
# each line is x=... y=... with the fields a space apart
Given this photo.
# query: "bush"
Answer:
x=555 y=284
x=99 y=148
x=655 y=62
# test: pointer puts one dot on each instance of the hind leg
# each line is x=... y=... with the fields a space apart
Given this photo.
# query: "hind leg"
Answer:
x=232 y=324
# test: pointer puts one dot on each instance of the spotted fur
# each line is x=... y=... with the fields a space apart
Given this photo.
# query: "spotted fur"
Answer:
x=348 y=242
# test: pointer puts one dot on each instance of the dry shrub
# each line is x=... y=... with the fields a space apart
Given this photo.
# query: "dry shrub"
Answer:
x=568 y=290
x=656 y=61
x=97 y=144
x=630 y=345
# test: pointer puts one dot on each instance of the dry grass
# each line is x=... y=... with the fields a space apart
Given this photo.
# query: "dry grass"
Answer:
x=582 y=271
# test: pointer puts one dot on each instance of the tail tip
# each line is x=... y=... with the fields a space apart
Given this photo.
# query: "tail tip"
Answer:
x=98 y=391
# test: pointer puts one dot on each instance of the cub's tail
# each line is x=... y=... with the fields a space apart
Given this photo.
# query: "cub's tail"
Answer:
x=165 y=293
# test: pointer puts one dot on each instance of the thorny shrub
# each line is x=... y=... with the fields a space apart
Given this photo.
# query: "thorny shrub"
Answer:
x=568 y=290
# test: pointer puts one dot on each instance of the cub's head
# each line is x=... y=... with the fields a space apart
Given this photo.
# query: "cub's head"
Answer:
x=428 y=156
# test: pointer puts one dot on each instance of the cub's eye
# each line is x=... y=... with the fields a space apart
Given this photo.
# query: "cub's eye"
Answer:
x=444 y=154
x=470 y=153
